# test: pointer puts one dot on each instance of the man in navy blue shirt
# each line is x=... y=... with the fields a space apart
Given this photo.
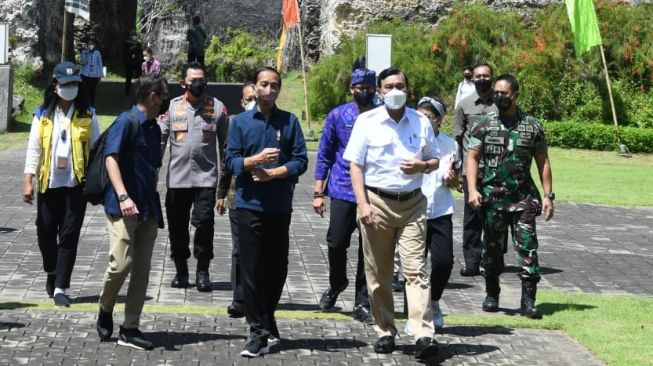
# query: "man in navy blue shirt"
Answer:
x=133 y=209
x=266 y=151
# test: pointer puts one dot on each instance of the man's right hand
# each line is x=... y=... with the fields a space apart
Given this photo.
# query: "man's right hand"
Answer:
x=220 y=207
x=28 y=191
x=268 y=155
x=366 y=214
x=475 y=199
x=128 y=209
x=318 y=206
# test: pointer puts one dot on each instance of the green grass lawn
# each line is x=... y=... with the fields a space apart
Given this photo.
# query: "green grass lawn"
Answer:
x=617 y=329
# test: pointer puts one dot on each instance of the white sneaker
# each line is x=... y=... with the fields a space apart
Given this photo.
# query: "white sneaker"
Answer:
x=438 y=317
x=408 y=329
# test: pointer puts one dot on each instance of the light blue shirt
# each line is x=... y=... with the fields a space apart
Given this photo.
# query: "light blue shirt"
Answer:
x=91 y=64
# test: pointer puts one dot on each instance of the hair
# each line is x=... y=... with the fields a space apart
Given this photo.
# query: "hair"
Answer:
x=389 y=72
x=249 y=84
x=430 y=107
x=50 y=97
x=265 y=68
x=514 y=84
x=192 y=65
x=359 y=63
x=468 y=67
x=481 y=64
x=149 y=84
x=196 y=20
x=149 y=51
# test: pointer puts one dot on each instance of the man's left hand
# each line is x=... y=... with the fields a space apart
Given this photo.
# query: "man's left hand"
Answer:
x=547 y=208
x=261 y=175
x=412 y=166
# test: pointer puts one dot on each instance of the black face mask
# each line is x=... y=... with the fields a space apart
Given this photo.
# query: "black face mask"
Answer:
x=363 y=98
x=196 y=88
x=502 y=102
x=164 y=106
x=467 y=76
x=483 y=85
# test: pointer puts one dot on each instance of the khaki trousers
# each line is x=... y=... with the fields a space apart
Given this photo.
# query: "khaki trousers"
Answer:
x=131 y=245
x=401 y=224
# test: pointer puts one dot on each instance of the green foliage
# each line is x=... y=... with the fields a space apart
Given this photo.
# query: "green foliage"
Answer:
x=597 y=136
x=538 y=49
x=238 y=55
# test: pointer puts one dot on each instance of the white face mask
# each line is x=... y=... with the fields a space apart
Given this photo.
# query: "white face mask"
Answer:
x=67 y=92
x=146 y=58
x=394 y=99
x=250 y=106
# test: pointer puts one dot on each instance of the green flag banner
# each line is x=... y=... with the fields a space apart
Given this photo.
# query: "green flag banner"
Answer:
x=584 y=24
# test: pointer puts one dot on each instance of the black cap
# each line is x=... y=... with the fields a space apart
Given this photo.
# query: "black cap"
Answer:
x=66 y=72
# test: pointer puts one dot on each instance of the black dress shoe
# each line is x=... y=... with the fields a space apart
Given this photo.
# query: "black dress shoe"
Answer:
x=49 y=284
x=235 y=310
x=385 y=344
x=104 y=325
x=203 y=282
x=425 y=348
x=362 y=314
x=469 y=272
x=330 y=296
x=491 y=303
x=180 y=281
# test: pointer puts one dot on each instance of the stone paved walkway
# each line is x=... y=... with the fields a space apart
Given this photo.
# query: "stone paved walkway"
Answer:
x=586 y=248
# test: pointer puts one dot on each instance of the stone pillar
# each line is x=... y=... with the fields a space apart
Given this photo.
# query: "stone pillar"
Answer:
x=6 y=96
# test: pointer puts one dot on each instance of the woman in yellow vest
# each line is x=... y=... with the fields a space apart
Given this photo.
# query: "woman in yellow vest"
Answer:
x=63 y=130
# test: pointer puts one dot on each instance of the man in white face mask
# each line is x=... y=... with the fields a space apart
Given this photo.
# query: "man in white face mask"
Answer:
x=390 y=148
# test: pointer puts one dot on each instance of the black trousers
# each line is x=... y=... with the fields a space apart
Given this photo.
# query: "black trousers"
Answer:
x=59 y=218
x=178 y=210
x=90 y=84
x=342 y=224
x=131 y=71
x=263 y=241
x=236 y=281
x=472 y=231
x=194 y=56
x=439 y=241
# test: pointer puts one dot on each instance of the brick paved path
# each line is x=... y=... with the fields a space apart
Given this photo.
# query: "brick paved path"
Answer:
x=587 y=248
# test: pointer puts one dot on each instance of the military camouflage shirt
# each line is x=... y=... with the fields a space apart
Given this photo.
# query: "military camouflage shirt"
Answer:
x=508 y=148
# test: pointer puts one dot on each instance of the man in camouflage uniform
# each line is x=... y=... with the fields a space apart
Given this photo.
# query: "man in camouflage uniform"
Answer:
x=507 y=144
x=196 y=128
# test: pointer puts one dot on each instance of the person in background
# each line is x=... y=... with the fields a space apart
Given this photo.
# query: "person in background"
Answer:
x=437 y=188
x=196 y=37
x=465 y=87
x=92 y=69
x=332 y=179
x=132 y=58
x=150 y=66
x=63 y=130
x=226 y=194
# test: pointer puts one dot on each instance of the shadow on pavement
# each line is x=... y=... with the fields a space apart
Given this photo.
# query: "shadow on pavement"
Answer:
x=458 y=286
x=326 y=345
x=306 y=307
x=13 y=305
x=548 y=308
x=94 y=299
x=6 y=230
x=10 y=325
x=171 y=340
x=543 y=270
x=475 y=331
x=449 y=351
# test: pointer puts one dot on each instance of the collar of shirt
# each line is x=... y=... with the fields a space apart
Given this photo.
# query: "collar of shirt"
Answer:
x=141 y=116
x=273 y=113
x=479 y=100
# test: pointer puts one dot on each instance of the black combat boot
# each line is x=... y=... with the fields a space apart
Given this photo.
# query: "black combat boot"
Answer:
x=492 y=289
x=528 y=291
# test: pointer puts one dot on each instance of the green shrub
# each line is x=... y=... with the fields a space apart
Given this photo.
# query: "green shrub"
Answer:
x=238 y=55
x=597 y=136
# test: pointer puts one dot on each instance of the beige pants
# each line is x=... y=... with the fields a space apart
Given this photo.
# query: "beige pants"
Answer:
x=403 y=223
x=131 y=245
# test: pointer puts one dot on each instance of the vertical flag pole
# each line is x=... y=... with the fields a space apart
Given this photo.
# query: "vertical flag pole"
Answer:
x=607 y=81
x=63 y=36
x=309 y=131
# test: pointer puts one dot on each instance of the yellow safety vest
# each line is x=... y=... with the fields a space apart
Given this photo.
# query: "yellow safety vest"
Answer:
x=80 y=133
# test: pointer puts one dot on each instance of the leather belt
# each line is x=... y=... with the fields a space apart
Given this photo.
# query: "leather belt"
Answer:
x=400 y=196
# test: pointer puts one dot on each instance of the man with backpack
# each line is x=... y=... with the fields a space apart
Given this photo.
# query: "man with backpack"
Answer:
x=133 y=208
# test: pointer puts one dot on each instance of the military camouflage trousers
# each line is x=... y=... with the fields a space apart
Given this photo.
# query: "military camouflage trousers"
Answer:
x=524 y=242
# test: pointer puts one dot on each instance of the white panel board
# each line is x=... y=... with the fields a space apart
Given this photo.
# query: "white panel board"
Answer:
x=378 y=51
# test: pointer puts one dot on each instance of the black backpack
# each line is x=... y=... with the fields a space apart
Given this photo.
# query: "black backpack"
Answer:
x=96 y=179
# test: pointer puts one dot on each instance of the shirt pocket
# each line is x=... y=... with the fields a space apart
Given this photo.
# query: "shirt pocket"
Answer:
x=179 y=131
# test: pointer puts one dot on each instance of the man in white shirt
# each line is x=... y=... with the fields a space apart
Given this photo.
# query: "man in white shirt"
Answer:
x=437 y=189
x=465 y=87
x=390 y=148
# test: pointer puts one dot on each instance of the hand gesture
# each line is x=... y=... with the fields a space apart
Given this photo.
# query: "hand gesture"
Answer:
x=260 y=175
x=412 y=166
x=268 y=155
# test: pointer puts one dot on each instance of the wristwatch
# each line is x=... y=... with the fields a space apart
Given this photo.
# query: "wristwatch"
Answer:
x=123 y=197
x=550 y=195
